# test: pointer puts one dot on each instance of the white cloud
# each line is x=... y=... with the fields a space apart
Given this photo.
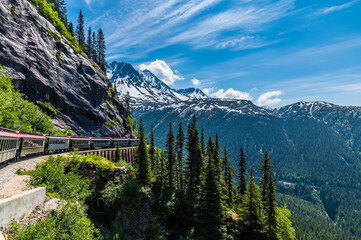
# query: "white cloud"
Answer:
x=88 y=1
x=195 y=82
x=161 y=69
x=229 y=93
x=336 y=8
x=269 y=98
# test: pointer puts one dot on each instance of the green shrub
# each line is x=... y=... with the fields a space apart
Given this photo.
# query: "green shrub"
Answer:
x=47 y=107
x=123 y=163
x=17 y=113
x=116 y=193
x=47 y=11
x=70 y=222
x=51 y=174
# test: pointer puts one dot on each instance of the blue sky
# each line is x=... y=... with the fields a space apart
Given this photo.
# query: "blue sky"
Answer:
x=271 y=52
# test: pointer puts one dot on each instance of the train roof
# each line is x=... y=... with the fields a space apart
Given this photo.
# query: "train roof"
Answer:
x=57 y=137
x=80 y=138
x=23 y=135
x=9 y=134
x=100 y=138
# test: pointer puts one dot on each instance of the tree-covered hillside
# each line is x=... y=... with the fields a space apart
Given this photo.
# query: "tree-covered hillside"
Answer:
x=316 y=149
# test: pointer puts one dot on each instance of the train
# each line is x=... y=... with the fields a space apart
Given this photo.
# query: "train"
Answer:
x=15 y=144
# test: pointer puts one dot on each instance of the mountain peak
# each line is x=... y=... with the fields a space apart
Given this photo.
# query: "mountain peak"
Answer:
x=144 y=86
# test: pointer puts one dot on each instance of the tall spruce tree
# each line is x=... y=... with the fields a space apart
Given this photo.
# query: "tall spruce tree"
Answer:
x=268 y=197
x=251 y=212
x=79 y=32
x=180 y=148
x=152 y=150
x=95 y=48
x=117 y=156
x=70 y=28
x=194 y=161
x=101 y=50
x=228 y=174
x=89 y=44
x=202 y=140
x=242 y=173
x=209 y=206
x=142 y=161
x=60 y=7
x=169 y=145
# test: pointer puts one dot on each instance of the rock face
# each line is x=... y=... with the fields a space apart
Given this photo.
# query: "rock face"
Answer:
x=48 y=70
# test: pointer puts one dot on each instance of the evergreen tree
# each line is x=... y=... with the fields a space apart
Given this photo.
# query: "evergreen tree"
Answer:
x=89 y=44
x=228 y=173
x=101 y=50
x=194 y=160
x=127 y=104
x=251 y=212
x=152 y=150
x=80 y=29
x=95 y=48
x=117 y=156
x=202 y=140
x=60 y=7
x=179 y=149
x=268 y=197
x=242 y=173
x=209 y=207
x=169 y=145
x=71 y=28
x=142 y=161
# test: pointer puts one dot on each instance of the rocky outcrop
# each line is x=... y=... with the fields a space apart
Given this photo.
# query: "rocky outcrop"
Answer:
x=48 y=70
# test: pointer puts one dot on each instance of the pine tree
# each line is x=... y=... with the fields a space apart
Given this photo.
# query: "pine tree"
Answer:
x=152 y=149
x=179 y=149
x=71 y=28
x=80 y=29
x=169 y=145
x=228 y=173
x=242 y=173
x=89 y=44
x=127 y=104
x=209 y=207
x=142 y=161
x=95 y=48
x=101 y=50
x=202 y=140
x=251 y=212
x=117 y=156
x=62 y=11
x=194 y=162
x=268 y=197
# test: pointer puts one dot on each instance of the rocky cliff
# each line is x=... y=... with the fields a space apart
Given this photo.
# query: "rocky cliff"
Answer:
x=47 y=69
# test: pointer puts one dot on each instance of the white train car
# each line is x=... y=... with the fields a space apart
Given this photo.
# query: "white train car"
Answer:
x=57 y=143
x=32 y=144
x=9 y=146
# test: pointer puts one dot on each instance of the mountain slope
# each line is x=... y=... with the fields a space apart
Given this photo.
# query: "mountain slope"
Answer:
x=145 y=87
x=46 y=69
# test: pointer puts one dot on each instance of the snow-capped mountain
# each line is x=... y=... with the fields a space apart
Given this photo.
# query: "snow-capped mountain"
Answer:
x=145 y=87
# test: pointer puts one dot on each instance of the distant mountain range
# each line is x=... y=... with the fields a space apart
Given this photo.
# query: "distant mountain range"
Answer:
x=145 y=87
x=313 y=144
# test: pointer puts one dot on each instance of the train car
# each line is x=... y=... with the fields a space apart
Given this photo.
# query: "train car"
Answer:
x=31 y=144
x=121 y=142
x=9 y=146
x=80 y=143
x=57 y=143
x=101 y=142
x=134 y=142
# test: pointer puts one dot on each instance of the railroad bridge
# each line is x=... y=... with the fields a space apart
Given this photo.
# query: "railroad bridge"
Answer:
x=126 y=153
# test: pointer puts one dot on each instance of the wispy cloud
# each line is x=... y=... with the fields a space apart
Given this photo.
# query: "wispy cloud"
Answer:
x=145 y=26
x=88 y=1
x=195 y=82
x=336 y=8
